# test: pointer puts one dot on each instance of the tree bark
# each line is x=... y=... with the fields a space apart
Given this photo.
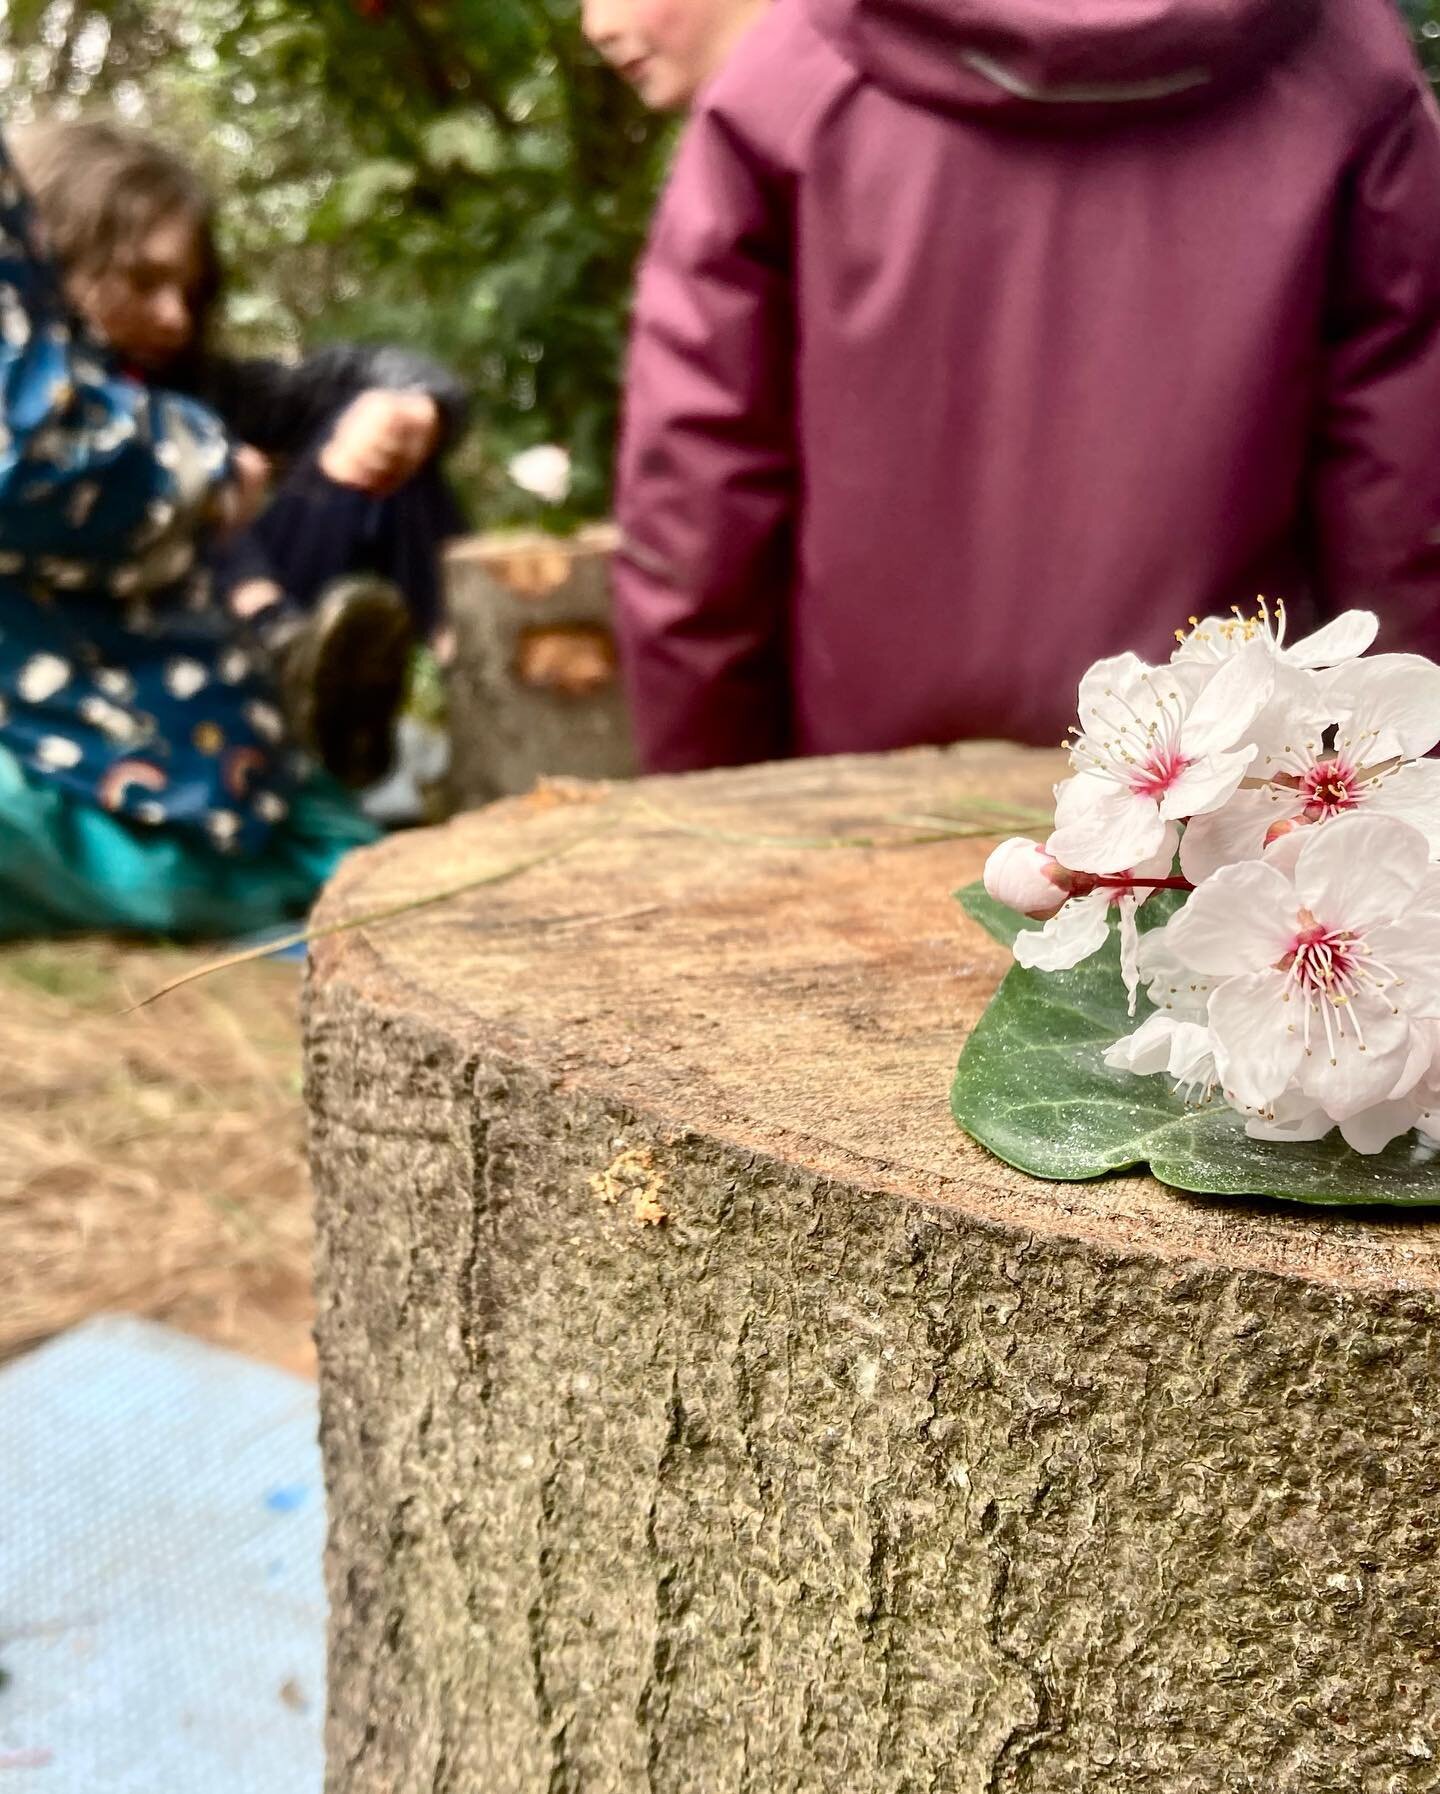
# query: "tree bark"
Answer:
x=704 y=1414
x=534 y=689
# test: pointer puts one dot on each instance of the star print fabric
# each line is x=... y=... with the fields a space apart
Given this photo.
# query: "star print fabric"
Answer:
x=121 y=680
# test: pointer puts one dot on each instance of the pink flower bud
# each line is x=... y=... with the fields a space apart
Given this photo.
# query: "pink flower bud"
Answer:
x=1284 y=840
x=1021 y=875
x=1287 y=825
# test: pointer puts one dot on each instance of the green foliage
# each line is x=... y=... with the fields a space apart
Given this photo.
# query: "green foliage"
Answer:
x=464 y=177
x=1423 y=18
x=1033 y=1087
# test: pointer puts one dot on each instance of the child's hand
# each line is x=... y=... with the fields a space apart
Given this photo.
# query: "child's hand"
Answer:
x=239 y=501
x=382 y=439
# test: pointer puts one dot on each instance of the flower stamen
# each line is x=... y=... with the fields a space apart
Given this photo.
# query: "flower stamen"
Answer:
x=1141 y=752
x=1222 y=640
x=1328 y=969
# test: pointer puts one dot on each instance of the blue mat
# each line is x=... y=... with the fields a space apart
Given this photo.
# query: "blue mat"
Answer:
x=161 y=1603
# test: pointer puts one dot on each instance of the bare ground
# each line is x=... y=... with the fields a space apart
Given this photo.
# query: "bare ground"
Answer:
x=152 y=1162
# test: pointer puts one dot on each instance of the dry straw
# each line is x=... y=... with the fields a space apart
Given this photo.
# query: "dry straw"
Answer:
x=152 y=1164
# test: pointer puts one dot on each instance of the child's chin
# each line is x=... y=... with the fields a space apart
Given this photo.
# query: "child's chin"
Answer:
x=664 y=92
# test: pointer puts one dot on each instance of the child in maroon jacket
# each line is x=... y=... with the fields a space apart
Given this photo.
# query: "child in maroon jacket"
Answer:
x=978 y=339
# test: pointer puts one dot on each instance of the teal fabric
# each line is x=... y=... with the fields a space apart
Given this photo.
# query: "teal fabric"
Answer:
x=68 y=867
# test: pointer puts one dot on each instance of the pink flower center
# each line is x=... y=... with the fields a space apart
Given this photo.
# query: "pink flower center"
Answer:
x=1133 y=738
x=1324 y=962
x=1153 y=776
x=1327 y=969
x=1329 y=788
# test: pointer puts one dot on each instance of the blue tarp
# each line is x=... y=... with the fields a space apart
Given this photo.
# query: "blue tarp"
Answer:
x=161 y=1600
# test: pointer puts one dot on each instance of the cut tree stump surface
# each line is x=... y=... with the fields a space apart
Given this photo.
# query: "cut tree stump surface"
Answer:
x=796 y=1001
x=705 y=1414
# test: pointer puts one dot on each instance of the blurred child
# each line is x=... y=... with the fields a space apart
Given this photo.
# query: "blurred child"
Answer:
x=147 y=782
x=980 y=338
x=359 y=431
x=668 y=49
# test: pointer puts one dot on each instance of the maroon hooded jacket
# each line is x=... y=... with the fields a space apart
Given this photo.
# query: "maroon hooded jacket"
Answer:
x=980 y=338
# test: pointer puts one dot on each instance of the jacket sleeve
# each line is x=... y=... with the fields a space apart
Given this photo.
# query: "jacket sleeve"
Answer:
x=94 y=467
x=281 y=408
x=1375 y=500
x=706 y=492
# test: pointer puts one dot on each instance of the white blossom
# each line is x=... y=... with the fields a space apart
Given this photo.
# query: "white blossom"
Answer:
x=1209 y=641
x=57 y=752
x=1353 y=741
x=265 y=720
x=116 y=683
x=41 y=677
x=1326 y=976
x=1183 y=1051
x=14 y=319
x=1153 y=751
x=223 y=827
x=1300 y=980
x=184 y=677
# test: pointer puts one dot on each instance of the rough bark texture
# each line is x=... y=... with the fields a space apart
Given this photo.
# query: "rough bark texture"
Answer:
x=534 y=688
x=873 y=1467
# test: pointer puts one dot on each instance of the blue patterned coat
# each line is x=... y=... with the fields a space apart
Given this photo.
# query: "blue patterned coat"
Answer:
x=120 y=680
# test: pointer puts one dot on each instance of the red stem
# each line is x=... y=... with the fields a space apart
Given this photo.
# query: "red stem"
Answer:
x=1123 y=883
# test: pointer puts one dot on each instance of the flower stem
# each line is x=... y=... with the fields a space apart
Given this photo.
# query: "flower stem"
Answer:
x=1123 y=882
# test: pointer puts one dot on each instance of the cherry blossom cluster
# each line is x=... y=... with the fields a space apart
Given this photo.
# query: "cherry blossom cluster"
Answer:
x=1284 y=789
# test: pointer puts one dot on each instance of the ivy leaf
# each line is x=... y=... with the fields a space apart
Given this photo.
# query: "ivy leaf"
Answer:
x=1032 y=1086
x=998 y=920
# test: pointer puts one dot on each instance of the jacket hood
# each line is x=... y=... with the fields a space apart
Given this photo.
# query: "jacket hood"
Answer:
x=1061 y=62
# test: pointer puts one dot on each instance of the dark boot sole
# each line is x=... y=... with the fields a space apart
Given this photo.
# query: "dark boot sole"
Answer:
x=346 y=679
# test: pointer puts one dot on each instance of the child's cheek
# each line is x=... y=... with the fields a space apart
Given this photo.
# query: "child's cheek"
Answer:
x=674 y=30
x=665 y=86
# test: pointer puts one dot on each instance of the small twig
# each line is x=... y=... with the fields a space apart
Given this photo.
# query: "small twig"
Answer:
x=569 y=924
x=739 y=838
x=985 y=821
x=303 y=937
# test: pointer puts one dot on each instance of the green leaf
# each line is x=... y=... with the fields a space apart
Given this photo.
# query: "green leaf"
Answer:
x=1032 y=1086
x=360 y=191
x=25 y=17
x=464 y=140
x=998 y=920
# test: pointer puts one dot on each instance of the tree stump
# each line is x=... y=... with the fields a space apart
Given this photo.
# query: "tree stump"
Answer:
x=534 y=687
x=704 y=1414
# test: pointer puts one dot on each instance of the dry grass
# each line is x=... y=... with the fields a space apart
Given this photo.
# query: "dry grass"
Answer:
x=152 y=1162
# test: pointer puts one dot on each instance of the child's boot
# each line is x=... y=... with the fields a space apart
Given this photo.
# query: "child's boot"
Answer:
x=341 y=668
